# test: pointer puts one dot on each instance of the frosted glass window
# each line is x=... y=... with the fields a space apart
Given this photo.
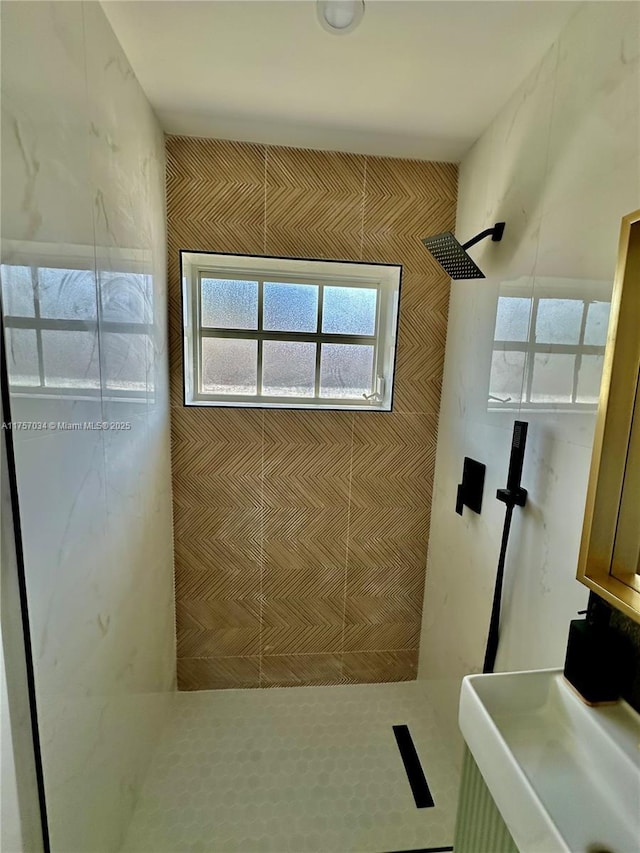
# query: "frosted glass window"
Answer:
x=559 y=321
x=507 y=376
x=349 y=310
x=67 y=294
x=290 y=307
x=345 y=370
x=22 y=357
x=512 y=319
x=229 y=366
x=595 y=333
x=125 y=361
x=71 y=359
x=589 y=376
x=17 y=291
x=126 y=297
x=552 y=378
x=288 y=369
x=229 y=304
x=287 y=332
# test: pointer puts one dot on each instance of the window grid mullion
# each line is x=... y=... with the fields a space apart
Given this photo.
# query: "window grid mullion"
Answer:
x=577 y=362
x=303 y=337
x=260 y=329
x=319 y=343
x=35 y=284
x=530 y=357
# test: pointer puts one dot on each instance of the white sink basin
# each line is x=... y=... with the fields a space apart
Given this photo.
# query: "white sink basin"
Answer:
x=565 y=777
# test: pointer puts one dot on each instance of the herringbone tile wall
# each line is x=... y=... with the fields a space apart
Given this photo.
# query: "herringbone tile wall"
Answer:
x=301 y=537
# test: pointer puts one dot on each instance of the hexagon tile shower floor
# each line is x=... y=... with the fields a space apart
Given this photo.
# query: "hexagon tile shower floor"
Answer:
x=295 y=770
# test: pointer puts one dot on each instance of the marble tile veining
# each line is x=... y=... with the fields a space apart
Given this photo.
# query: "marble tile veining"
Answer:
x=84 y=295
x=560 y=164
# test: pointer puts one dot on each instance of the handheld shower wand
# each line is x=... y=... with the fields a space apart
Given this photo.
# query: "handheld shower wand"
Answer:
x=514 y=495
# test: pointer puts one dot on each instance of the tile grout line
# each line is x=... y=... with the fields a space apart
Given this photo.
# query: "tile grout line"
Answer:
x=346 y=554
x=264 y=214
x=346 y=551
x=303 y=654
x=262 y=508
x=364 y=196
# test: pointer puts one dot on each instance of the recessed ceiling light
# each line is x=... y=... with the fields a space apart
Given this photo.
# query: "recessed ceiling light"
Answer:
x=340 y=16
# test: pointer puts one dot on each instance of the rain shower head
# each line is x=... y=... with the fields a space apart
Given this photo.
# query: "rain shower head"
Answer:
x=452 y=256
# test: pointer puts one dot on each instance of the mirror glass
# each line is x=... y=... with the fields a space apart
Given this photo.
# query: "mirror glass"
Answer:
x=625 y=564
x=609 y=561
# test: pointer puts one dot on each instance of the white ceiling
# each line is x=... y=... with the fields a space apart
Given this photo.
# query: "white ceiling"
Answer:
x=416 y=79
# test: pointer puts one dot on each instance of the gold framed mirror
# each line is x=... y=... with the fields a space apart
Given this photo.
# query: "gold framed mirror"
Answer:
x=609 y=561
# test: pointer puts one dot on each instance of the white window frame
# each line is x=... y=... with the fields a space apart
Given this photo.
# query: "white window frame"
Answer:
x=385 y=278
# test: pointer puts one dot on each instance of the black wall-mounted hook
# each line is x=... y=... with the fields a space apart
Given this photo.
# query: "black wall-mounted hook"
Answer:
x=472 y=486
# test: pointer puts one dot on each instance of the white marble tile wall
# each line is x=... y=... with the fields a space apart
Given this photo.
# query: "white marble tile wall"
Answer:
x=561 y=165
x=20 y=825
x=84 y=296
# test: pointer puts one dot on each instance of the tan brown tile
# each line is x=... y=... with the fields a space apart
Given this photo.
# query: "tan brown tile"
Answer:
x=390 y=176
x=312 y=223
x=301 y=639
x=374 y=610
x=219 y=642
x=389 y=523
x=221 y=568
x=300 y=556
x=382 y=637
x=390 y=553
x=397 y=225
x=394 y=428
x=333 y=172
x=303 y=611
x=217 y=236
x=305 y=523
x=411 y=491
x=314 y=203
x=218 y=426
x=425 y=290
x=261 y=499
x=218 y=583
x=218 y=673
x=378 y=667
x=422 y=340
x=380 y=580
x=321 y=245
x=392 y=475
x=417 y=394
x=202 y=200
x=203 y=521
x=286 y=427
x=292 y=670
x=303 y=569
x=306 y=474
x=234 y=482
x=215 y=160
x=215 y=466
x=388 y=247
x=207 y=614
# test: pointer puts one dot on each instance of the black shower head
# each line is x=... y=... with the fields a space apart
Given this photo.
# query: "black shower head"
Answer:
x=452 y=256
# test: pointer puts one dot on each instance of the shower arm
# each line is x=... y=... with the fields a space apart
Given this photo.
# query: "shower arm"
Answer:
x=495 y=233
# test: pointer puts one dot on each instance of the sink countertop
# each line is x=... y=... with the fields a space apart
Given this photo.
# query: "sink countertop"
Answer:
x=565 y=776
